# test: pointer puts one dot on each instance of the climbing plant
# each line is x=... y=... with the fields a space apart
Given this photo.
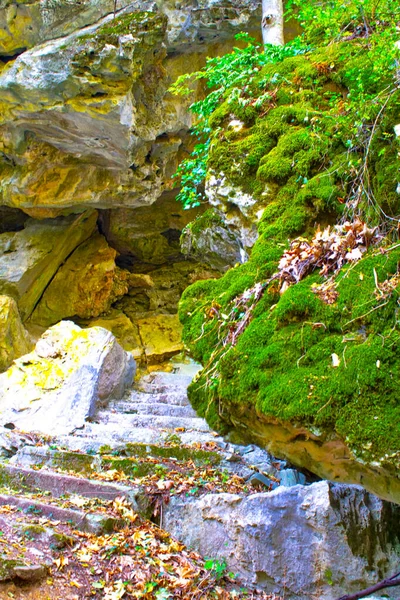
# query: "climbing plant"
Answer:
x=226 y=77
x=364 y=35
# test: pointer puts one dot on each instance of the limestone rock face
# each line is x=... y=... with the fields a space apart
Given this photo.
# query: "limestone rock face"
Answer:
x=30 y=258
x=55 y=388
x=125 y=331
x=302 y=541
x=241 y=212
x=30 y=22
x=85 y=285
x=26 y=23
x=210 y=240
x=149 y=234
x=14 y=339
x=161 y=336
x=86 y=117
x=91 y=106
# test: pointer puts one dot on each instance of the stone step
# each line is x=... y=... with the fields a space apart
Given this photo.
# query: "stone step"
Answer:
x=90 y=522
x=159 y=388
x=152 y=408
x=155 y=422
x=131 y=460
x=95 y=435
x=167 y=379
x=60 y=484
x=175 y=398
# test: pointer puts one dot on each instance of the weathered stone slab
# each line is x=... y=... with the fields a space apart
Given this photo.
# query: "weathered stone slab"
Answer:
x=55 y=388
x=14 y=339
x=161 y=336
x=30 y=258
x=302 y=541
x=85 y=285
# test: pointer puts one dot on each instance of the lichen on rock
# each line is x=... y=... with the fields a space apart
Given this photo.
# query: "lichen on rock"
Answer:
x=57 y=387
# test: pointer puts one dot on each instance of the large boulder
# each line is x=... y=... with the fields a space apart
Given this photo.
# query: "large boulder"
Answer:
x=86 y=118
x=14 y=339
x=85 y=285
x=91 y=105
x=30 y=258
x=322 y=540
x=55 y=388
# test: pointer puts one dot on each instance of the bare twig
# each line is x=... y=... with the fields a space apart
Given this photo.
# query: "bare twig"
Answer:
x=391 y=582
x=368 y=313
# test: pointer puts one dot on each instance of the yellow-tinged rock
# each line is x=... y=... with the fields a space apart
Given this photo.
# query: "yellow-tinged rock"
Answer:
x=161 y=336
x=85 y=286
x=14 y=339
x=126 y=332
x=56 y=387
x=30 y=258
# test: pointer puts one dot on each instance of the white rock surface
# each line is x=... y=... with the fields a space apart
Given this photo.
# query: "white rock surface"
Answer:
x=55 y=388
x=301 y=542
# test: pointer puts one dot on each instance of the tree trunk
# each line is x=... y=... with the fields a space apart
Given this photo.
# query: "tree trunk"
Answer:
x=272 y=22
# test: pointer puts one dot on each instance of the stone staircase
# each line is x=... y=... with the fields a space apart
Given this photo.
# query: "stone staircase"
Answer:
x=149 y=454
x=66 y=484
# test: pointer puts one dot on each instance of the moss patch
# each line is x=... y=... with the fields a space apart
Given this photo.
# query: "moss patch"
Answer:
x=292 y=152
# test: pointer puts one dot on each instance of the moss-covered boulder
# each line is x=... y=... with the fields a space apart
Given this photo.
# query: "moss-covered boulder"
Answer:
x=312 y=373
x=14 y=339
x=30 y=258
x=86 y=285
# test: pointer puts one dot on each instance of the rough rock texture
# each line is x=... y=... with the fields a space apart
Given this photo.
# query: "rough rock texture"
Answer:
x=87 y=118
x=27 y=23
x=88 y=283
x=90 y=105
x=124 y=330
x=163 y=294
x=241 y=211
x=210 y=240
x=149 y=234
x=151 y=339
x=320 y=452
x=30 y=22
x=303 y=541
x=30 y=258
x=161 y=336
x=14 y=339
x=56 y=387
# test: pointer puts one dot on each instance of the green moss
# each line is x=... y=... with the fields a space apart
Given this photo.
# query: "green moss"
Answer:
x=180 y=453
x=294 y=153
x=73 y=461
x=282 y=362
x=207 y=220
x=33 y=531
